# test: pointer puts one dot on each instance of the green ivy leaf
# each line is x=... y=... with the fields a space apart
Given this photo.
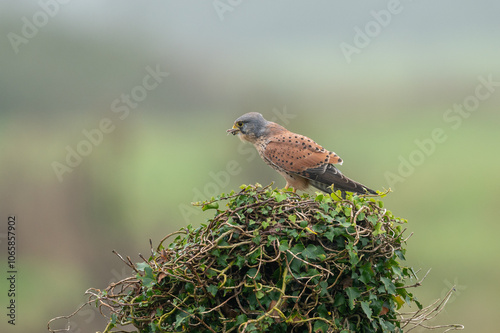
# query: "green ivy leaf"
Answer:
x=271 y=239
x=279 y=197
x=366 y=273
x=342 y=221
x=241 y=319
x=319 y=197
x=366 y=309
x=141 y=266
x=256 y=240
x=283 y=245
x=352 y=294
x=377 y=305
x=212 y=289
x=213 y=205
x=389 y=286
x=330 y=234
x=253 y=274
x=339 y=300
x=378 y=229
x=324 y=286
x=297 y=248
x=347 y=211
x=353 y=255
x=372 y=219
x=189 y=287
x=180 y=318
x=240 y=261
x=148 y=280
x=399 y=301
x=222 y=260
x=292 y=233
x=320 y=326
x=313 y=252
x=336 y=196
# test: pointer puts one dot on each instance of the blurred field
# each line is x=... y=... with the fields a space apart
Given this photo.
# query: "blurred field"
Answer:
x=280 y=60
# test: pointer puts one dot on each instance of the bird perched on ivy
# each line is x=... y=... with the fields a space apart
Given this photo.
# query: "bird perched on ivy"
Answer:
x=300 y=160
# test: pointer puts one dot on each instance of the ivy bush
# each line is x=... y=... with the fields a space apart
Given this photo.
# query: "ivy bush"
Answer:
x=272 y=261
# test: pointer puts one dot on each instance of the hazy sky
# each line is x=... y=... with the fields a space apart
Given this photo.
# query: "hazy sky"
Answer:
x=220 y=52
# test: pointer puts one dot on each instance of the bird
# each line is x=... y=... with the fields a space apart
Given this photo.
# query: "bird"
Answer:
x=301 y=161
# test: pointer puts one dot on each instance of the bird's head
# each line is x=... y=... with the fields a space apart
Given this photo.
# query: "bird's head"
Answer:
x=249 y=126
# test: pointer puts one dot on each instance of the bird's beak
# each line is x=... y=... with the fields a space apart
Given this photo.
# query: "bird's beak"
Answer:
x=235 y=130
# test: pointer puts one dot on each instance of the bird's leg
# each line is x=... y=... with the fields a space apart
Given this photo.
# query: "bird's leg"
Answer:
x=294 y=190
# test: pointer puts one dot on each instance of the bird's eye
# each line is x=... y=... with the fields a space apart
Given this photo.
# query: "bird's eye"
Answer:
x=239 y=123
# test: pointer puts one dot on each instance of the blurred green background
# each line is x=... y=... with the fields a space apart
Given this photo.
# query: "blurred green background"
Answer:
x=68 y=67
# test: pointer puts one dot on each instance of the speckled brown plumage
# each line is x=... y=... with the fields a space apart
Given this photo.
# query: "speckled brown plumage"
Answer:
x=300 y=160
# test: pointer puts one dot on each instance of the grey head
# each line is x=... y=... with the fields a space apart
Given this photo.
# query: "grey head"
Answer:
x=250 y=126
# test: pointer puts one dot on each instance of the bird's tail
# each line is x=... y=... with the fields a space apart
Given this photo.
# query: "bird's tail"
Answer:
x=333 y=176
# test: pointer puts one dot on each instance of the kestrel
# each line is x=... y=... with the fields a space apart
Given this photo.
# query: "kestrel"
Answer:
x=300 y=160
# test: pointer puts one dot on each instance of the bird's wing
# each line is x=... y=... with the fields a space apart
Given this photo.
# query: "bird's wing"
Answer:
x=297 y=153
